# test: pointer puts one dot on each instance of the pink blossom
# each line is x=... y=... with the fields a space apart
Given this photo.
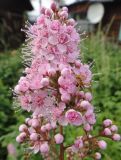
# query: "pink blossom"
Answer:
x=55 y=26
x=23 y=85
x=74 y=117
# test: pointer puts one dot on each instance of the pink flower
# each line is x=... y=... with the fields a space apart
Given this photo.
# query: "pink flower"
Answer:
x=23 y=85
x=55 y=26
x=58 y=138
x=62 y=38
x=74 y=117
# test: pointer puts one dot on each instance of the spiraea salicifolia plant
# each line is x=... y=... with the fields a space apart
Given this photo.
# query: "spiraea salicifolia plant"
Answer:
x=56 y=91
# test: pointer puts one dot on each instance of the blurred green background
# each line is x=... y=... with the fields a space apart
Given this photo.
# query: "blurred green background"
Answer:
x=106 y=59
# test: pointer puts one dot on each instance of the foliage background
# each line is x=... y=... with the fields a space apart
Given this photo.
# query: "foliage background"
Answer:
x=106 y=89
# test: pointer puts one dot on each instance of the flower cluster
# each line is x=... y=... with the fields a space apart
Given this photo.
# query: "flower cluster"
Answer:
x=55 y=89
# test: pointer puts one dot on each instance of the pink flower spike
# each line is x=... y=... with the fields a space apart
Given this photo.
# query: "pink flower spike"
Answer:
x=58 y=138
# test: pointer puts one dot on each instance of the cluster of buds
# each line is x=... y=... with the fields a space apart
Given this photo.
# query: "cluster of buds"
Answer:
x=110 y=130
x=56 y=90
x=38 y=135
x=85 y=145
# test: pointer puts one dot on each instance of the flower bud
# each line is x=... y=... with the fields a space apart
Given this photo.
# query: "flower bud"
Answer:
x=65 y=97
x=48 y=126
x=77 y=63
x=71 y=22
x=116 y=137
x=114 y=128
x=43 y=128
x=65 y=9
x=63 y=14
x=107 y=123
x=48 y=12
x=87 y=127
x=53 y=6
x=35 y=123
x=45 y=82
x=107 y=132
x=18 y=139
x=22 y=128
x=97 y=155
x=85 y=104
x=88 y=96
x=42 y=10
x=102 y=144
x=65 y=72
x=34 y=136
x=44 y=148
x=17 y=89
x=58 y=138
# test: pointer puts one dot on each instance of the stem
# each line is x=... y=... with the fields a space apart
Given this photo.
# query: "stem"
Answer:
x=61 y=146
